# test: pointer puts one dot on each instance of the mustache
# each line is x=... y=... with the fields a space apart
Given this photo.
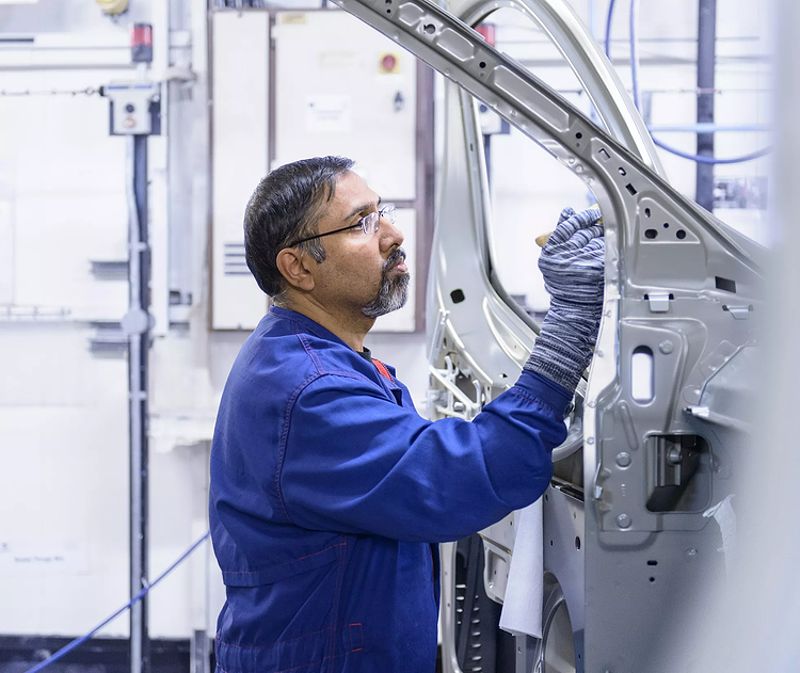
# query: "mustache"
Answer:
x=394 y=259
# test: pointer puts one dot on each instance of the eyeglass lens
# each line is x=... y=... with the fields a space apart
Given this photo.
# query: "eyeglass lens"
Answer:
x=371 y=222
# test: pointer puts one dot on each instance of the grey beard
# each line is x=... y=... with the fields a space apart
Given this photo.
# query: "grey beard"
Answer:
x=393 y=292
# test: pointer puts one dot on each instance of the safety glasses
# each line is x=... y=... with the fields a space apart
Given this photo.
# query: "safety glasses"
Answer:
x=369 y=224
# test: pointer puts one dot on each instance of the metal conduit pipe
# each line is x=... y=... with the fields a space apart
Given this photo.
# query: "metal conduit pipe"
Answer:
x=136 y=324
x=706 y=62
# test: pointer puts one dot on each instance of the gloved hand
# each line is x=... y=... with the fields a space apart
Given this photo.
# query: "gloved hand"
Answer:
x=572 y=265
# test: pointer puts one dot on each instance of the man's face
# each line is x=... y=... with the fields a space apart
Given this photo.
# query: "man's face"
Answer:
x=361 y=272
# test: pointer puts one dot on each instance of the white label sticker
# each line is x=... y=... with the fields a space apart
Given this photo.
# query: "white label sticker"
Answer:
x=328 y=114
x=23 y=558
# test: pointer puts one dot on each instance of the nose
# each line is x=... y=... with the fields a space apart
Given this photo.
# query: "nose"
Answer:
x=391 y=236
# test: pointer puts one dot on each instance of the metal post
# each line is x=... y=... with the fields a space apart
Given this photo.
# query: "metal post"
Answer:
x=706 y=57
x=136 y=325
x=135 y=112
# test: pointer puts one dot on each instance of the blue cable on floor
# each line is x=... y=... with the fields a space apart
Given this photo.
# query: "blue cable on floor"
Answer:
x=139 y=596
x=634 y=49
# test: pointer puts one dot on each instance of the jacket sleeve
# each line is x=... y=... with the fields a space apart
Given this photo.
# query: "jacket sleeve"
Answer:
x=355 y=462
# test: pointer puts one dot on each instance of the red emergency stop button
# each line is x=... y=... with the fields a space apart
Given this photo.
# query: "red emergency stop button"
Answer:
x=389 y=63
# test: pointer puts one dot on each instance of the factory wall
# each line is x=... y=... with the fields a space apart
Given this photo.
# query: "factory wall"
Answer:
x=63 y=224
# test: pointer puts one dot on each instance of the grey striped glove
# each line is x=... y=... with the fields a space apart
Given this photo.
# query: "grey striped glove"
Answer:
x=572 y=265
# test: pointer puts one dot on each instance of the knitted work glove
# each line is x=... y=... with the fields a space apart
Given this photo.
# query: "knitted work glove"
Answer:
x=572 y=265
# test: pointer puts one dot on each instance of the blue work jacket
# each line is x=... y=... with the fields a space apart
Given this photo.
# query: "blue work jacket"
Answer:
x=328 y=492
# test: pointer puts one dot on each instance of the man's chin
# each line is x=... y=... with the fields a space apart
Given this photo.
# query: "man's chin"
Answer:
x=391 y=300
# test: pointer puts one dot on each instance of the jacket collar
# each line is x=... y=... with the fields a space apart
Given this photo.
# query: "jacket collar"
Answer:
x=315 y=328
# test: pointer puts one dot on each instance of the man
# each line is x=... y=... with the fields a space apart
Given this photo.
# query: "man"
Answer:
x=328 y=490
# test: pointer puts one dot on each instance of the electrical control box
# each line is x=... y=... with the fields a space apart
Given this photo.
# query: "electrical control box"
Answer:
x=239 y=159
x=343 y=88
x=135 y=107
x=316 y=83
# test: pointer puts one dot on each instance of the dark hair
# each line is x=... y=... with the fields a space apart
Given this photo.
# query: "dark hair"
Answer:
x=285 y=206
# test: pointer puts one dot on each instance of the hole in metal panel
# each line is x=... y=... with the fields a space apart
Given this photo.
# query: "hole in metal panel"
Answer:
x=577 y=543
x=681 y=234
x=647 y=212
x=482 y=64
x=631 y=189
x=725 y=284
x=678 y=472
x=457 y=296
x=665 y=225
x=642 y=375
x=650 y=233
x=652 y=563
x=429 y=28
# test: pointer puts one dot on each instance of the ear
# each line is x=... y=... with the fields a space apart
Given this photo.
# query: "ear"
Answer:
x=295 y=269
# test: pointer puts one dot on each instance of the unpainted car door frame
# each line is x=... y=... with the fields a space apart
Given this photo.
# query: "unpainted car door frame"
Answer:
x=680 y=309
